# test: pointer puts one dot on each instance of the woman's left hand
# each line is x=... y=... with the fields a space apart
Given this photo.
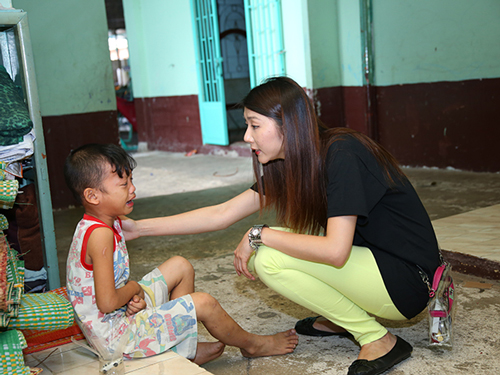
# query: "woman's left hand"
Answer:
x=241 y=256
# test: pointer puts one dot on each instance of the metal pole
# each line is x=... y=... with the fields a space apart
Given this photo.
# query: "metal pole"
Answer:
x=368 y=68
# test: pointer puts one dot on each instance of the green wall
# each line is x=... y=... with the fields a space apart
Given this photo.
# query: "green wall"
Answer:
x=324 y=41
x=430 y=41
x=70 y=49
x=413 y=41
x=161 y=46
x=335 y=40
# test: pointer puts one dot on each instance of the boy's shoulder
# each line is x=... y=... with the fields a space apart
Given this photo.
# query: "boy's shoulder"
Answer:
x=90 y=223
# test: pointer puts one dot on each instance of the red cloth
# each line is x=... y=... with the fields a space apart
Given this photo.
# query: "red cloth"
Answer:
x=127 y=109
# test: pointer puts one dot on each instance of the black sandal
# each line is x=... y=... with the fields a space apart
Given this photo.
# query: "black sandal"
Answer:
x=401 y=351
x=305 y=327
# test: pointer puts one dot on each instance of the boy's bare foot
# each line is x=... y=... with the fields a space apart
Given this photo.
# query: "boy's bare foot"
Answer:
x=206 y=351
x=280 y=343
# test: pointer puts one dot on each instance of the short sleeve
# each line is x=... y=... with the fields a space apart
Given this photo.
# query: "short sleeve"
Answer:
x=354 y=183
x=255 y=186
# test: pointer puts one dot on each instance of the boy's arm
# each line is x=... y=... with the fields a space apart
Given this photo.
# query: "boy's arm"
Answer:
x=100 y=252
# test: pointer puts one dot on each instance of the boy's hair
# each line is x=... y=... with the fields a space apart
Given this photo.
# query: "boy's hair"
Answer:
x=84 y=167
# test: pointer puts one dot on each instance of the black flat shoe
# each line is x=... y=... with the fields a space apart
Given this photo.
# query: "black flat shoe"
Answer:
x=305 y=327
x=400 y=352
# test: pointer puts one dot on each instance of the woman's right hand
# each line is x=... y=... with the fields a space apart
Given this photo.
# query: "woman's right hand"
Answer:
x=129 y=228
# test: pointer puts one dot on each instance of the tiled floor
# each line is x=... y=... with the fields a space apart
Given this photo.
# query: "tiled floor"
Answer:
x=71 y=359
x=474 y=233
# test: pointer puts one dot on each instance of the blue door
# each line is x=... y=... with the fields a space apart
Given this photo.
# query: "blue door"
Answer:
x=266 y=51
x=210 y=73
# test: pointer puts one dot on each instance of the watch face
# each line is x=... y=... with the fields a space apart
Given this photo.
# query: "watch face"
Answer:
x=255 y=232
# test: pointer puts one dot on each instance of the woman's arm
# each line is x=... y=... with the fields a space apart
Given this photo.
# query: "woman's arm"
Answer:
x=100 y=250
x=202 y=220
x=333 y=248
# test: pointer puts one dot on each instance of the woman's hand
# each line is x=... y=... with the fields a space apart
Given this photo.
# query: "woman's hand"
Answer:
x=241 y=256
x=135 y=305
x=129 y=228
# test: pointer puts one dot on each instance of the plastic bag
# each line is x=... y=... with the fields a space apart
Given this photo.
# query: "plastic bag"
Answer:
x=110 y=356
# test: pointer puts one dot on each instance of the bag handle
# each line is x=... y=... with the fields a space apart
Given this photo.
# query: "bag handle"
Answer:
x=437 y=276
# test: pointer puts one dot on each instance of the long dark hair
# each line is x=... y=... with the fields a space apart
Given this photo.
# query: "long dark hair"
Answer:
x=296 y=185
x=291 y=185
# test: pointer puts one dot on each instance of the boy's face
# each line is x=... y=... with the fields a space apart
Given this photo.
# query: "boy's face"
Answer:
x=117 y=193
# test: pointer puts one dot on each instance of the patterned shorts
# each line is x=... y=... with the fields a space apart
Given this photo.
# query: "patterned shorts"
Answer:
x=163 y=324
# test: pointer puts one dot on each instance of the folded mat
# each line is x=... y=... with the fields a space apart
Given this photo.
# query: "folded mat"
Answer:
x=8 y=193
x=12 y=290
x=40 y=340
x=43 y=311
x=11 y=353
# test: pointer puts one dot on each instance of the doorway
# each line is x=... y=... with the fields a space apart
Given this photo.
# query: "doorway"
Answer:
x=239 y=44
x=233 y=41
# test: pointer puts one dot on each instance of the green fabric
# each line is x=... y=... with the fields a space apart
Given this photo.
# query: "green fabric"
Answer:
x=43 y=311
x=11 y=353
x=15 y=120
x=3 y=165
x=4 y=224
x=15 y=287
x=8 y=193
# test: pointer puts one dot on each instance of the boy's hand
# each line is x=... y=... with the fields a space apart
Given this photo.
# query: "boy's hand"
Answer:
x=129 y=228
x=135 y=305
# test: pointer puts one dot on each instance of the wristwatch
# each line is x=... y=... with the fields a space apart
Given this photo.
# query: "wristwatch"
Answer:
x=254 y=236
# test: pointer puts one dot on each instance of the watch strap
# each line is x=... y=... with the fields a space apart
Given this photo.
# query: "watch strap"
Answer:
x=255 y=236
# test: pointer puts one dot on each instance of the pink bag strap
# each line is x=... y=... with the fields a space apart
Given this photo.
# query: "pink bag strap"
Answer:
x=437 y=276
x=435 y=280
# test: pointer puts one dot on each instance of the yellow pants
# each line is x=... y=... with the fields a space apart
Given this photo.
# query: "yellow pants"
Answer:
x=345 y=295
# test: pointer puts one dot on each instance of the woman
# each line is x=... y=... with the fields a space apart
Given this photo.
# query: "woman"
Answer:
x=358 y=236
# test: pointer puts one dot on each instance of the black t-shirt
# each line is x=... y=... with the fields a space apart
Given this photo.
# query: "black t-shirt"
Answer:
x=392 y=222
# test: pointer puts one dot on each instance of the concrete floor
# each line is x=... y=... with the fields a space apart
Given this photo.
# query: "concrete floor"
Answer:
x=259 y=309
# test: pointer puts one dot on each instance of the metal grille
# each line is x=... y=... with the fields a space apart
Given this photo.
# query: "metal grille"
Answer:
x=209 y=49
x=265 y=39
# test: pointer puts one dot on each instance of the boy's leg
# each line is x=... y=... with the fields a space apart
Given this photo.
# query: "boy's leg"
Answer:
x=179 y=276
x=169 y=324
x=224 y=328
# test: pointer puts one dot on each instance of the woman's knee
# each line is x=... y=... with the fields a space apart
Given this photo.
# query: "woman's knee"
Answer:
x=269 y=260
x=266 y=260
